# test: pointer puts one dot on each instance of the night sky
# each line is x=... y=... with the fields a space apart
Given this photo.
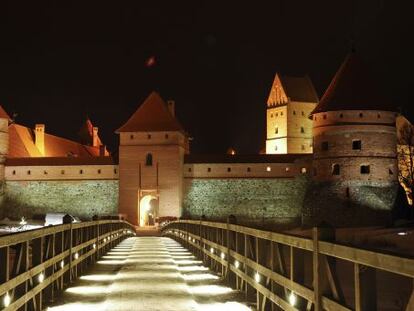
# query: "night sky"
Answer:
x=63 y=60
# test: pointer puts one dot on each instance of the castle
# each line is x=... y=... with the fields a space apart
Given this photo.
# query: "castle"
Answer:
x=331 y=160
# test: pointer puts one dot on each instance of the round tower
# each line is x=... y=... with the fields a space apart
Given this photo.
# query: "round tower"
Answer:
x=355 y=173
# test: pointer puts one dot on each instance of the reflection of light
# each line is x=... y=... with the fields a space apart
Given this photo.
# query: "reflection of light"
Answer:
x=402 y=233
x=292 y=299
x=104 y=240
x=87 y=290
x=222 y=255
x=192 y=268
x=62 y=264
x=6 y=300
x=94 y=245
x=98 y=277
x=79 y=307
x=257 y=277
x=41 y=277
x=210 y=290
x=227 y=306
x=212 y=250
x=76 y=256
x=237 y=264
x=200 y=277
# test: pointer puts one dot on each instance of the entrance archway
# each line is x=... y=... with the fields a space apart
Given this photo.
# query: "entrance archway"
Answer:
x=148 y=210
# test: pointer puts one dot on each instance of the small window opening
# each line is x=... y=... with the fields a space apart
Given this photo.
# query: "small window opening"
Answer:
x=303 y=147
x=271 y=115
x=115 y=171
x=81 y=172
x=189 y=169
x=14 y=173
x=276 y=148
x=148 y=160
x=29 y=172
x=276 y=130
x=303 y=113
x=361 y=115
x=294 y=112
x=149 y=136
x=248 y=169
x=131 y=137
x=325 y=145
x=268 y=169
x=341 y=115
x=302 y=129
x=45 y=172
x=287 y=169
x=166 y=136
x=281 y=113
x=347 y=194
x=99 y=171
x=378 y=116
x=228 y=169
x=324 y=116
x=390 y=171
x=62 y=172
x=356 y=145
x=336 y=170
x=277 y=114
x=209 y=169
x=365 y=169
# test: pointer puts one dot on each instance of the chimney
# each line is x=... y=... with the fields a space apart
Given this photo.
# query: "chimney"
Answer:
x=40 y=138
x=171 y=107
x=95 y=138
x=102 y=149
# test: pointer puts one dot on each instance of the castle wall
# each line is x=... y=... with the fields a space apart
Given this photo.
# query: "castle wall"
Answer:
x=297 y=118
x=276 y=142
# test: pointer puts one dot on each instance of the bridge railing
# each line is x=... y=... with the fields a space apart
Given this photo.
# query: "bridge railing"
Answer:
x=296 y=273
x=35 y=264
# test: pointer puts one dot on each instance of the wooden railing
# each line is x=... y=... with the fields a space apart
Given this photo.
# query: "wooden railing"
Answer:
x=287 y=272
x=35 y=264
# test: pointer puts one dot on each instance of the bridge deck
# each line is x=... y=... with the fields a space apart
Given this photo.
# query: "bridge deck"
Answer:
x=149 y=273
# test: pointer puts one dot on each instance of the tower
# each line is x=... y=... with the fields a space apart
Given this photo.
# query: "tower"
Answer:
x=354 y=166
x=290 y=102
x=151 y=157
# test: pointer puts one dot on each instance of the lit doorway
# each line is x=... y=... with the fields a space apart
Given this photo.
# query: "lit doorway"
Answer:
x=148 y=210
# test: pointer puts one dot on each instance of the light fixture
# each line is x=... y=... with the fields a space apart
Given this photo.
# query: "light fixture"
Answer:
x=189 y=238
x=23 y=221
x=94 y=245
x=222 y=255
x=105 y=240
x=402 y=233
x=269 y=169
x=41 y=277
x=62 y=264
x=257 y=277
x=212 y=250
x=76 y=256
x=6 y=300
x=237 y=264
x=292 y=299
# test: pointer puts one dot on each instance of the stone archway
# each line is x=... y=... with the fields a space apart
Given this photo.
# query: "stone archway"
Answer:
x=148 y=210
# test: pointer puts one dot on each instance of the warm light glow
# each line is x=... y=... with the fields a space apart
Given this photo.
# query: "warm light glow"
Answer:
x=237 y=264
x=94 y=246
x=257 y=277
x=6 y=300
x=62 y=264
x=76 y=256
x=303 y=170
x=87 y=290
x=292 y=299
x=79 y=307
x=98 y=277
x=23 y=221
x=104 y=240
x=41 y=277
x=212 y=250
x=222 y=255
x=200 y=277
x=210 y=290
x=402 y=233
x=189 y=238
x=192 y=268
x=269 y=169
x=226 y=306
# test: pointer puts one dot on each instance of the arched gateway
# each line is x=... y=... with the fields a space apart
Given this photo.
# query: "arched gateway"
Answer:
x=151 y=153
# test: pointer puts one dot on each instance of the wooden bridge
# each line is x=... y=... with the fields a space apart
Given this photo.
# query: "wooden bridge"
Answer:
x=249 y=268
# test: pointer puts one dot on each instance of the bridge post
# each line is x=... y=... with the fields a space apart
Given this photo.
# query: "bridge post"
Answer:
x=37 y=258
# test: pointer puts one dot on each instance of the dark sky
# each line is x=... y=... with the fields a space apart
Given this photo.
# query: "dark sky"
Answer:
x=63 y=60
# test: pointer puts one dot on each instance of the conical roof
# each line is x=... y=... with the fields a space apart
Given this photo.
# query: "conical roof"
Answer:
x=353 y=88
x=152 y=116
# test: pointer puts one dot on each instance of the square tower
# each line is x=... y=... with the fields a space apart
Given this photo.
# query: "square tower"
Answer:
x=151 y=157
x=290 y=102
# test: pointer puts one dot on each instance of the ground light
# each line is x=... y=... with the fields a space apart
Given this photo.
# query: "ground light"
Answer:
x=6 y=300
x=94 y=245
x=41 y=277
x=62 y=264
x=212 y=250
x=76 y=256
x=237 y=264
x=257 y=277
x=222 y=255
x=292 y=299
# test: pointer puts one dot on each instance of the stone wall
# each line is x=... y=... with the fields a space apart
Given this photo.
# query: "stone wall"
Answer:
x=255 y=200
x=80 y=198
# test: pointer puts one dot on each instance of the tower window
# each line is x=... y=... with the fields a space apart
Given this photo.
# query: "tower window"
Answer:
x=166 y=136
x=248 y=169
x=28 y=172
x=324 y=116
x=271 y=115
x=189 y=169
x=149 y=136
x=341 y=115
x=365 y=169
x=336 y=170
x=62 y=172
x=276 y=148
x=14 y=172
x=303 y=113
x=131 y=136
x=314 y=117
x=268 y=169
x=209 y=169
x=277 y=114
x=281 y=113
x=347 y=194
x=80 y=171
x=115 y=171
x=325 y=145
x=228 y=169
x=99 y=171
x=303 y=147
x=356 y=145
x=276 y=130
x=390 y=171
x=294 y=112
x=45 y=172
x=302 y=129
x=287 y=169
x=148 y=160
x=378 y=116
x=361 y=115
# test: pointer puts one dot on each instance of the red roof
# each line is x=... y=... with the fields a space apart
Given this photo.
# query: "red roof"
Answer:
x=152 y=116
x=353 y=88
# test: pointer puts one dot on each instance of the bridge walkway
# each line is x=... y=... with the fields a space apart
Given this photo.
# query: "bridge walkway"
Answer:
x=149 y=273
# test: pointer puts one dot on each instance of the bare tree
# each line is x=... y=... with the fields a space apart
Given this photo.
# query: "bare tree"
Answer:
x=406 y=159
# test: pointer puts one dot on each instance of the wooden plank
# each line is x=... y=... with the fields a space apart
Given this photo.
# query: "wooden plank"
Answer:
x=5 y=264
x=357 y=288
x=410 y=304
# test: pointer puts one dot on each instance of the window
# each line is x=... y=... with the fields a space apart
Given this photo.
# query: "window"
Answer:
x=276 y=148
x=325 y=145
x=209 y=169
x=365 y=169
x=303 y=147
x=378 y=116
x=14 y=172
x=324 y=116
x=45 y=172
x=390 y=171
x=302 y=129
x=361 y=115
x=62 y=172
x=276 y=130
x=131 y=137
x=303 y=113
x=271 y=115
x=148 y=160
x=166 y=136
x=336 y=170
x=99 y=171
x=341 y=115
x=81 y=172
x=294 y=112
x=189 y=169
x=149 y=136
x=28 y=172
x=347 y=194
x=277 y=114
x=356 y=145
x=303 y=170
x=281 y=113
x=248 y=169
x=115 y=171
x=314 y=117
x=228 y=169
x=287 y=169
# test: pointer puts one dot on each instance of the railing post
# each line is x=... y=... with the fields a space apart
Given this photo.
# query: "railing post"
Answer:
x=316 y=270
